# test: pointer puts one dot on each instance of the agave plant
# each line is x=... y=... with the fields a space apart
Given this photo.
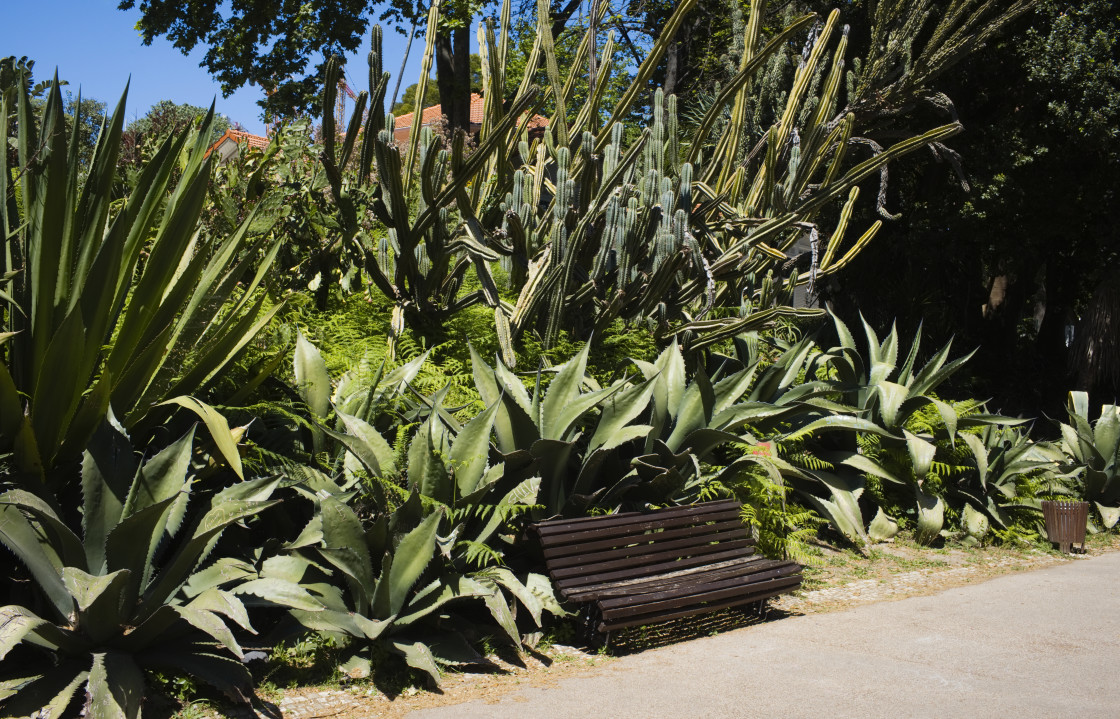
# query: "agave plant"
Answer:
x=879 y=398
x=380 y=570
x=542 y=433
x=402 y=567
x=689 y=419
x=887 y=393
x=860 y=419
x=125 y=303
x=109 y=601
x=1092 y=452
x=989 y=492
x=403 y=533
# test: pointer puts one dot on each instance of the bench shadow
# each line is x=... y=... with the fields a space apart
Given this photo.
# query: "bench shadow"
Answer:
x=634 y=640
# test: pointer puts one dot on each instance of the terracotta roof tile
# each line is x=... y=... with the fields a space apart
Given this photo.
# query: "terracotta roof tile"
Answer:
x=478 y=109
x=240 y=136
x=252 y=140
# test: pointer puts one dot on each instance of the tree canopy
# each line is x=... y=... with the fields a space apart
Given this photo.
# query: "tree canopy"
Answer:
x=167 y=116
x=276 y=44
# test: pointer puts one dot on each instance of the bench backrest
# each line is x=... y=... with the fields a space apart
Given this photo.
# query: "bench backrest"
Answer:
x=632 y=545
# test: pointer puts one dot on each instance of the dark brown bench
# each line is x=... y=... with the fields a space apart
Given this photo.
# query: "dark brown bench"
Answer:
x=640 y=568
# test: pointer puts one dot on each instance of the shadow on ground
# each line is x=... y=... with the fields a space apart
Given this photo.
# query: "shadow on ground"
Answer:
x=639 y=639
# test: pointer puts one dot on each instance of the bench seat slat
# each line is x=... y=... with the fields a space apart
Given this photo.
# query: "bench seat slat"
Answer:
x=638 y=526
x=642 y=555
x=637 y=539
x=670 y=563
x=757 y=592
x=621 y=606
x=564 y=526
x=695 y=575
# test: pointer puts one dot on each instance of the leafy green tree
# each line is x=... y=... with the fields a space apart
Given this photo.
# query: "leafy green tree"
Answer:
x=167 y=116
x=143 y=136
x=283 y=47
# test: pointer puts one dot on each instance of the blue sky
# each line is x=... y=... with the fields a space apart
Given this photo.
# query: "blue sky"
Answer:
x=96 y=46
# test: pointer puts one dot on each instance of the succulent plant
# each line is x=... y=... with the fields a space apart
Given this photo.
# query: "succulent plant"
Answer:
x=110 y=599
x=1092 y=452
x=122 y=302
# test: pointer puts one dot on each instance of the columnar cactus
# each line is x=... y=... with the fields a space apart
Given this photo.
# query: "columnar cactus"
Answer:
x=591 y=229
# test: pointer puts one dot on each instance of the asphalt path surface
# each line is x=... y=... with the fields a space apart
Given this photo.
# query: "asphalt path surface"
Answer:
x=1044 y=643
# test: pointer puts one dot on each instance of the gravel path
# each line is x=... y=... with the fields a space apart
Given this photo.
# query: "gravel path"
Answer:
x=1044 y=643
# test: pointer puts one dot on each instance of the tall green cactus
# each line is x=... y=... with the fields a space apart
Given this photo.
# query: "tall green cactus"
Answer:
x=431 y=203
x=693 y=233
x=664 y=233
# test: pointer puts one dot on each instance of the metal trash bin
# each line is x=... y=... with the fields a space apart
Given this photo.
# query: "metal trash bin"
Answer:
x=1065 y=523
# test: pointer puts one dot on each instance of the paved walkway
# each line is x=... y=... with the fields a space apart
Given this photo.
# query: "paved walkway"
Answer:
x=1037 y=644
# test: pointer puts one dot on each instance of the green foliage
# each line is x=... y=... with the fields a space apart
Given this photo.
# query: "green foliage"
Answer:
x=119 y=590
x=650 y=237
x=881 y=395
x=115 y=304
x=252 y=41
x=1092 y=455
x=782 y=530
x=1040 y=156
x=427 y=528
x=168 y=117
x=578 y=253
x=662 y=232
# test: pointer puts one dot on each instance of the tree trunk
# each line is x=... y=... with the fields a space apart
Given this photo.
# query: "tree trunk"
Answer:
x=677 y=59
x=1050 y=344
x=453 y=76
x=1095 y=356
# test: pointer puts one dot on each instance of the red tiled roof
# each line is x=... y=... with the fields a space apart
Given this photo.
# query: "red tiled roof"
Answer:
x=253 y=140
x=240 y=136
x=433 y=113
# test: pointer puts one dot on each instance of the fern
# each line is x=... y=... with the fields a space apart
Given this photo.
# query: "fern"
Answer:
x=1017 y=535
x=479 y=555
x=485 y=512
x=400 y=444
x=807 y=460
x=712 y=491
x=781 y=529
x=944 y=469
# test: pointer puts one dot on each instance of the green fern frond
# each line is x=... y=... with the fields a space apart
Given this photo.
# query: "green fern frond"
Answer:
x=780 y=528
x=479 y=555
x=943 y=469
x=486 y=512
x=400 y=443
x=806 y=460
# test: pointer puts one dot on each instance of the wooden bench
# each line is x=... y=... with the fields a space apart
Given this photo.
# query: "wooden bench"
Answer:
x=640 y=568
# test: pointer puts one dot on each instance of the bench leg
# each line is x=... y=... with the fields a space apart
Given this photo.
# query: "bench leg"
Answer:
x=588 y=623
x=591 y=633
